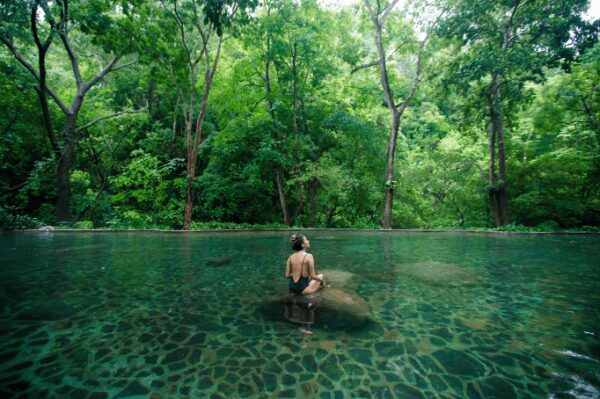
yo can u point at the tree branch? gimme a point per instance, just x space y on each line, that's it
358 68
416 80
370 12
387 11
87 85
31 69
87 125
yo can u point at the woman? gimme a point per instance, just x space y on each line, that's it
300 269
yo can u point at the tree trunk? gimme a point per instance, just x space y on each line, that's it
389 172
64 167
379 19
300 207
282 199
492 174
314 190
498 193
193 150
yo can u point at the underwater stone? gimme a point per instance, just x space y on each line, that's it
197 339
177 354
455 383
310 388
245 390
273 368
288 379
331 368
288 393
176 366
133 389
362 355
205 383
429 364
232 378
258 382
472 392
405 391
270 381
309 363
437 383
410 347
389 349
459 363
496 387
392 377
293 367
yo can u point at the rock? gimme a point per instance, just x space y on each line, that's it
339 278
47 228
437 273
331 308
219 260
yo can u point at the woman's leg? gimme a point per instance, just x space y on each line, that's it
313 286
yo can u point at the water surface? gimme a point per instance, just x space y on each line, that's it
453 315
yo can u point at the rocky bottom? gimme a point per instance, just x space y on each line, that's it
412 330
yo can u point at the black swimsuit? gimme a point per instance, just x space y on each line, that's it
301 284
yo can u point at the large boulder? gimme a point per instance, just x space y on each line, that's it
330 308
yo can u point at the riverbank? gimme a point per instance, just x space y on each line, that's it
51 229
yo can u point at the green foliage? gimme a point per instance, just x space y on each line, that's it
10 221
322 127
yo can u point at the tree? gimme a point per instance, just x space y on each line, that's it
504 44
379 14
188 44
45 13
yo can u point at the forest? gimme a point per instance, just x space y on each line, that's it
199 114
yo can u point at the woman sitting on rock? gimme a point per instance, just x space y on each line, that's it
300 269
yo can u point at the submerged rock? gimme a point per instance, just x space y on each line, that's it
339 278
331 308
219 260
438 273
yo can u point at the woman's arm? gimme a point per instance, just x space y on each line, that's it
311 268
287 268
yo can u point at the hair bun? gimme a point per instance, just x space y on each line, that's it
293 238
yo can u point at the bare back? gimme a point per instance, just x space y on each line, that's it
298 266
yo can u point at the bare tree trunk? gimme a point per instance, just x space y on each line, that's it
492 174
379 18
193 149
300 207
314 190
389 172
281 191
63 170
498 194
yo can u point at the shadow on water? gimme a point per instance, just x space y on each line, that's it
316 312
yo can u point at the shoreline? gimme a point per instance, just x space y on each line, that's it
300 229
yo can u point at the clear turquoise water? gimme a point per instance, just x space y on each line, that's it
453 315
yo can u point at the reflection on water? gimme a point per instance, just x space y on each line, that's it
409 315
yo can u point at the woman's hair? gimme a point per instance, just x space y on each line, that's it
296 241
